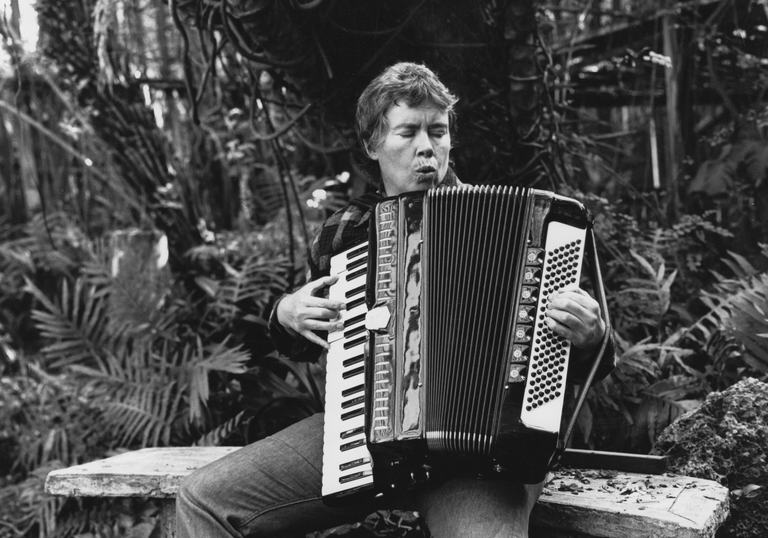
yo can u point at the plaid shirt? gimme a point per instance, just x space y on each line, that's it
341 231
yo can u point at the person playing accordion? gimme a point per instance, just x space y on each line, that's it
272 487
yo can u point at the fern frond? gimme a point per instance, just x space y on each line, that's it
664 401
76 326
739 306
138 393
220 434
251 287
202 361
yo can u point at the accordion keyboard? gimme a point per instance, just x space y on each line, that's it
545 386
346 460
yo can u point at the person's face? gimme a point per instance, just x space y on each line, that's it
413 153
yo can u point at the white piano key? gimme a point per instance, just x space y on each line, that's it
339 290
340 262
346 315
340 353
349 280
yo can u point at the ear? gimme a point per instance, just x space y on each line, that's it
372 153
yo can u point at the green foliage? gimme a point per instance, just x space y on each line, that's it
653 279
737 321
162 369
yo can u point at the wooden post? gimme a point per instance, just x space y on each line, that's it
673 146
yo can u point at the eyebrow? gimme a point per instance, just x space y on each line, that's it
416 125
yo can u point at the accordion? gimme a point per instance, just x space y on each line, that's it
445 359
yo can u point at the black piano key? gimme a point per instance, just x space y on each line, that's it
356 342
351 433
358 273
352 390
357 251
354 463
358 263
356 302
354 360
352 402
351 414
355 292
353 373
355 320
352 444
354 332
354 476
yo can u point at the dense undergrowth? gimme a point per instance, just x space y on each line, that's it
133 308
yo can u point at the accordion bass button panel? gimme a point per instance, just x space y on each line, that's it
544 392
347 463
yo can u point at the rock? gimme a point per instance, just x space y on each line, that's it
726 440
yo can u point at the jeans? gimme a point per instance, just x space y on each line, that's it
271 488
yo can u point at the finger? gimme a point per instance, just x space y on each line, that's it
322 313
578 296
571 313
312 337
582 332
322 303
316 285
560 330
320 325
566 319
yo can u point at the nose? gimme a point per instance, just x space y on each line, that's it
424 145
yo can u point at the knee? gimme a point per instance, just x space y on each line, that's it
197 489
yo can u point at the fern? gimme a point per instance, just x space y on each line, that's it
215 357
220 434
248 290
76 325
663 402
646 299
738 310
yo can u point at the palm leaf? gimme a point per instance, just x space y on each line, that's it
220 434
200 362
138 394
77 325
252 287
739 308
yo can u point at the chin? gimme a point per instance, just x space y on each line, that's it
427 181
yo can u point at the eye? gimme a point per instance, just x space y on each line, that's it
438 132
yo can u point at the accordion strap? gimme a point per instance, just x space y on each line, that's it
597 284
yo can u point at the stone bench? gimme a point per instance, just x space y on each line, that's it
575 502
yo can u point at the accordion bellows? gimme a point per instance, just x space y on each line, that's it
461 369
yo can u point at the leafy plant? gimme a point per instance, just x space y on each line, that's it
736 325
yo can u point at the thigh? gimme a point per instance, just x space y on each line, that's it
273 486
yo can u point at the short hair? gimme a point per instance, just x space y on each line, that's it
410 83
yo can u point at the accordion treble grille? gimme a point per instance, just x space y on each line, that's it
475 240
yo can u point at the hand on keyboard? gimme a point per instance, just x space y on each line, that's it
574 315
304 311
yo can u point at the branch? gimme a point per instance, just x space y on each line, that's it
313 4
284 129
240 45
718 87
188 75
